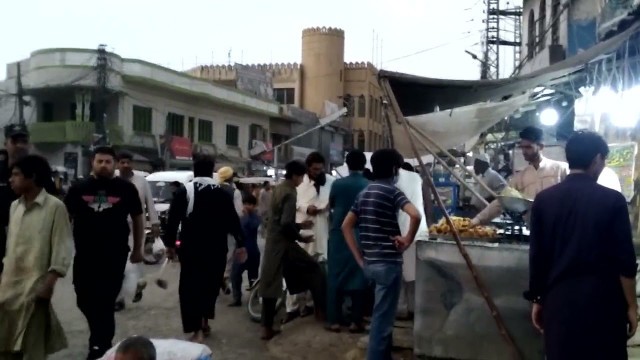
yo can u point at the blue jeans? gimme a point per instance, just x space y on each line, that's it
387 278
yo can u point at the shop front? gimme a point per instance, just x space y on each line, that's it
177 152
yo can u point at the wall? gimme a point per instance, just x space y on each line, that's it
541 58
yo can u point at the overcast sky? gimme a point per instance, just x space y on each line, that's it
422 37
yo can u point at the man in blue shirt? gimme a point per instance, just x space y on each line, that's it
381 244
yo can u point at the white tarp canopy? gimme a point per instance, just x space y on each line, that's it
463 125
343 170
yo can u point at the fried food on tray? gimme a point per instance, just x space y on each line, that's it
463 225
511 192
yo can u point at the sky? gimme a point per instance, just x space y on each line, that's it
421 37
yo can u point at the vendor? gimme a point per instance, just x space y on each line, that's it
540 174
491 178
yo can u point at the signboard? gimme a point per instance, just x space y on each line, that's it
181 148
622 161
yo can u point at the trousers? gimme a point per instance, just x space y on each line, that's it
251 266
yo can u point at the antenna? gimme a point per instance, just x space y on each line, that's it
373 47
381 43
229 58
211 57
242 57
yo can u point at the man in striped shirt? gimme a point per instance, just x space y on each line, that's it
381 244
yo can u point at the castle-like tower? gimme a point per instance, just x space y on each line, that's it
322 67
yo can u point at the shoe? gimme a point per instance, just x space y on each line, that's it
119 306
292 315
139 289
236 303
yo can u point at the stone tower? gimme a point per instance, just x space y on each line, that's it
322 68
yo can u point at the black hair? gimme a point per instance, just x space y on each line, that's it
104 150
314 158
408 167
142 347
266 183
532 134
368 174
125 155
249 199
177 184
37 168
583 147
384 163
294 168
356 160
203 166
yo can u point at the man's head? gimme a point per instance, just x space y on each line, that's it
294 171
174 186
315 165
29 173
266 185
481 163
408 167
16 141
386 163
203 166
225 174
356 160
587 151
103 162
531 143
136 348
249 203
124 164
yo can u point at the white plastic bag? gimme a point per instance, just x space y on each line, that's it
132 274
158 248
172 349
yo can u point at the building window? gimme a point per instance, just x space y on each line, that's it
72 111
205 131
531 35
191 128
175 124
256 132
233 134
349 103
542 23
360 141
142 119
370 107
47 111
362 106
376 106
555 22
285 96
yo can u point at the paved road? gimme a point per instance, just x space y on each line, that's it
234 336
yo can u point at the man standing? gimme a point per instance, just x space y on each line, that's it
16 146
381 245
148 207
582 261
284 257
226 176
313 205
540 174
100 207
491 178
207 215
345 277
38 253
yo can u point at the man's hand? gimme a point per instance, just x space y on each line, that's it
360 262
306 225
536 317
135 257
45 291
402 242
241 255
632 317
312 210
155 230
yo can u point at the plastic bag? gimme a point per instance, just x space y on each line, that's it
158 248
132 274
172 349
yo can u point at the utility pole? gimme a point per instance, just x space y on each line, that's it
102 79
493 37
20 95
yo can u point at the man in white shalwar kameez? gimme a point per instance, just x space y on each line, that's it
312 205
410 184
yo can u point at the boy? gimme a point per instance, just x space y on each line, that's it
376 214
250 222
136 348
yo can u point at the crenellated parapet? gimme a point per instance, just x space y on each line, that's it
323 30
221 72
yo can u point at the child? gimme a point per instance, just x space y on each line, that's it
250 222
136 348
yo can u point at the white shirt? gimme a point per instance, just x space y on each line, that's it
609 178
146 198
494 181
307 196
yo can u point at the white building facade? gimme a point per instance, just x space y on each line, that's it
159 114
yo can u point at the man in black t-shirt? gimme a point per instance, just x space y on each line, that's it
100 207
16 146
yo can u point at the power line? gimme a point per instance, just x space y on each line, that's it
469 34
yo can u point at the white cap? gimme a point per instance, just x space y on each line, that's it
483 157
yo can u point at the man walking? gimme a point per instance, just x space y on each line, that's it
16 141
148 207
226 176
207 216
100 207
381 245
345 277
38 253
582 261
284 257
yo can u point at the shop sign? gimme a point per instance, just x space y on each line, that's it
142 141
181 148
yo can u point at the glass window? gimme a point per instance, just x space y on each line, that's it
233 134
205 131
142 119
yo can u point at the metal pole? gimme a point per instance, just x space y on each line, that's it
275 161
20 94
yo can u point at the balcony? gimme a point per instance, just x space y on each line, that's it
70 131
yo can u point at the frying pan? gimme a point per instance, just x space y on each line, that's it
515 204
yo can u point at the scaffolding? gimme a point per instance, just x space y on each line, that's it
502 28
